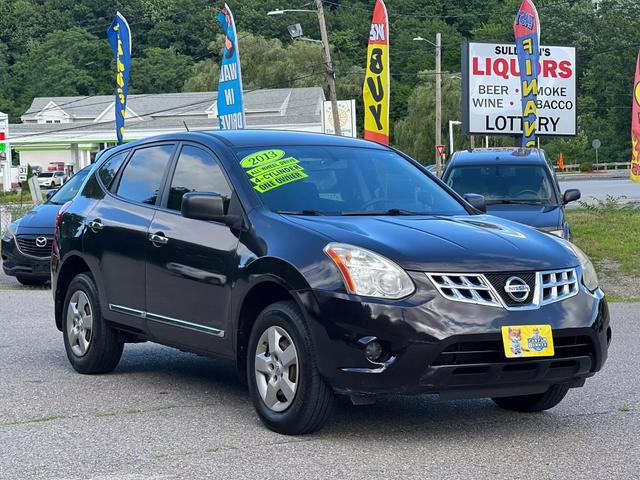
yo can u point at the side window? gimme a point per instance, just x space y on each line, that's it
140 180
109 169
196 171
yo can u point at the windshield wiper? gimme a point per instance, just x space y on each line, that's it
394 212
514 202
305 213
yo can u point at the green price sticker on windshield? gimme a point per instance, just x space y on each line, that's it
268 169
261 158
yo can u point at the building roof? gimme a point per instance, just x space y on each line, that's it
152 114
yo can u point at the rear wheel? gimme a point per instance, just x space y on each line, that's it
534 403
92 345
287 391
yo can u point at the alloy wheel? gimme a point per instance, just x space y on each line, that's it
79 323
276 368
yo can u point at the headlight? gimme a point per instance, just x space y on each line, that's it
368 274
589 275
11 231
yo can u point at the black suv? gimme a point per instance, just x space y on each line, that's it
320 264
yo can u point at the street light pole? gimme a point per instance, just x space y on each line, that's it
438 122
331 78
438 102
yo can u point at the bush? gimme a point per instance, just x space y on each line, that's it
586 167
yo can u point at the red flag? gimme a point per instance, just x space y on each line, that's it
635 127
561 162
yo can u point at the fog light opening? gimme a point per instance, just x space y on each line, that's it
374 351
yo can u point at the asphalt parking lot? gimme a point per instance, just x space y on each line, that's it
168 414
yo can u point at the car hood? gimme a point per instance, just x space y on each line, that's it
41 218
473 244
537 216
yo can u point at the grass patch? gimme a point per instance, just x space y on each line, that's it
49 418
617 299
624 408
609 234
212 450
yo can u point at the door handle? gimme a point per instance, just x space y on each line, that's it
158 239
95 225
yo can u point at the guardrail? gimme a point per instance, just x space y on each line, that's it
575 167
612 166
569 168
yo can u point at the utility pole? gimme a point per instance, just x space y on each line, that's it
438 101
331 78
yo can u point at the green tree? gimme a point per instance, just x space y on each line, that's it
67 63
266 63
160 70
415 134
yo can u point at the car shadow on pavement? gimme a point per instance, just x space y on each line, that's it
215 382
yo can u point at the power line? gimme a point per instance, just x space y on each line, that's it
433 17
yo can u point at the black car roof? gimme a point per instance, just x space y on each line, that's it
255 138
495 156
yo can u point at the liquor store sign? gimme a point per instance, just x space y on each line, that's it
492 97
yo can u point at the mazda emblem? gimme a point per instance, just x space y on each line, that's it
41 242
517 289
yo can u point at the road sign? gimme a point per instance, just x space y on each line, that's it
596 144
440 149
5 151
492 97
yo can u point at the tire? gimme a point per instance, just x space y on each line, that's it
101 349
311 404
534 403
31 282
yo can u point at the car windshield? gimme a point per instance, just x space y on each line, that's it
46 175
526 184
320 180
70 189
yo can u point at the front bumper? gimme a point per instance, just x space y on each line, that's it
17 264
434 345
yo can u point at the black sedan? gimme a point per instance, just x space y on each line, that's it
320 265
26 245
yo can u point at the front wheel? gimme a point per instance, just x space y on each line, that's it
92 345
287 391
534 403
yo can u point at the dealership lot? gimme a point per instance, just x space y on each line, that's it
168 414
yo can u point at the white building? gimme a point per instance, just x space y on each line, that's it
73 129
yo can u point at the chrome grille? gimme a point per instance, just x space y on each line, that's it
558 285
465 288
487 289
28 245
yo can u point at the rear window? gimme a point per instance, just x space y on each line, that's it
141 178
109 169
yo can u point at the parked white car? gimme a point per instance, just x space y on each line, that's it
51 179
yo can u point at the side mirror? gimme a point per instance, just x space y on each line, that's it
572 195
50 193
476 201
203 206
